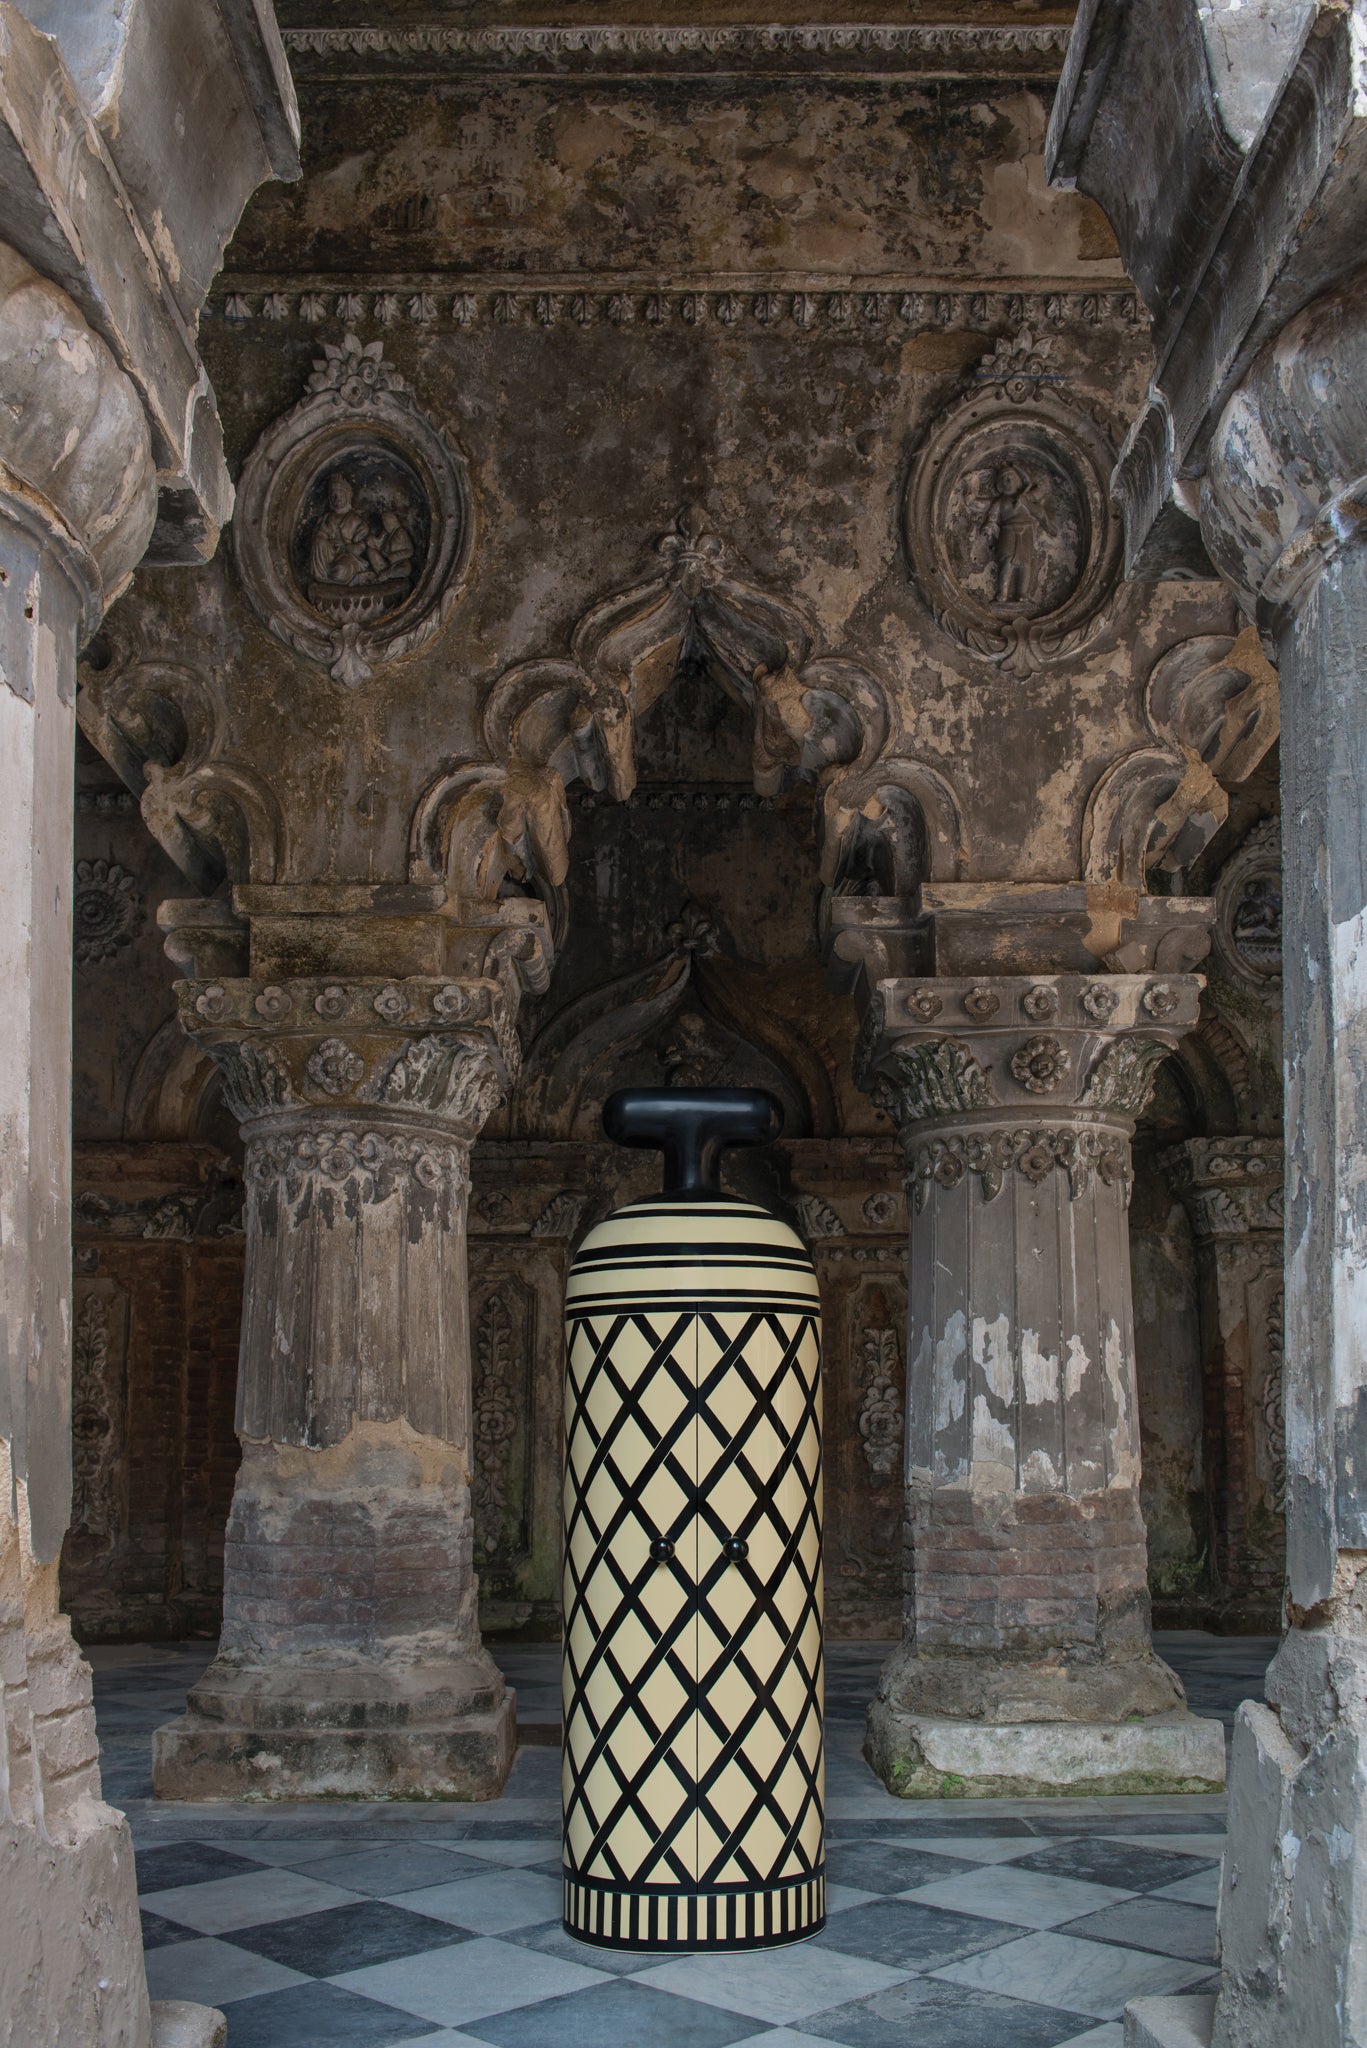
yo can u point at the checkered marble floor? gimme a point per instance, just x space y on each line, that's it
952 1924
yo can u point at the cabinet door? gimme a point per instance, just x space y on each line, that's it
630 1667
760 1791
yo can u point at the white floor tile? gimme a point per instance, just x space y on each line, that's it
774 1984
1077 1976
1025 1898
453 1986
841 1896
1202 1888
213 1972
246 1901
1184 1845
489 1905
982 1848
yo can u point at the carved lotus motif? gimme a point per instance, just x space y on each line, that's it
273 1004
391 1004
212 1004
982 1003
1041 1065
451 1002
1161 999
1040 1003
880 1211
924 1004
106 910
334 1067
331 1003
1099 1001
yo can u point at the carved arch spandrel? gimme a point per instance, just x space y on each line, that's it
500 826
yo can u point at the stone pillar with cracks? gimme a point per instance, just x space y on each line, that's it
1284 513
1027 1663
350 1662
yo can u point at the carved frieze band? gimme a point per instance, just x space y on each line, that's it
1029 50
1231 1186
1084 1154
360 1165
874 308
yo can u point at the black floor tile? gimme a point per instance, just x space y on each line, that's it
161 1870
385 1867
319 2016
620 2015
346 1937
159 1933
945 2015
908 1935
1165 1927
1118 1863
886 1867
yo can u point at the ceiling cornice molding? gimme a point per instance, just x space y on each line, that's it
882 49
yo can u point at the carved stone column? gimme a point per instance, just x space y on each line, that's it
1026 1663
1232 1188
350 1661
1285 517
77 502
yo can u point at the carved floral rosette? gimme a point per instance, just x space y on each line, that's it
1021 1074
1007 520
354 521
357 1164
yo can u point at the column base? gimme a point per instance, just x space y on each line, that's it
1170 2022
359 1732
920 1756
178 2024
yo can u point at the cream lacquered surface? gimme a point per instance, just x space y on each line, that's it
692 1688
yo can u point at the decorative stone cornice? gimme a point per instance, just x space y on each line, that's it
815 49
979 1049
881 310
1231 1186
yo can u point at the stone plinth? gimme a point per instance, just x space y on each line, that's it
350 1661
1026 1663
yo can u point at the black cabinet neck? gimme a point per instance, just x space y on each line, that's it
692 1127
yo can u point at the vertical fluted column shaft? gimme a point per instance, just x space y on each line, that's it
349 1583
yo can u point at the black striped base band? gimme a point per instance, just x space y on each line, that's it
696 1922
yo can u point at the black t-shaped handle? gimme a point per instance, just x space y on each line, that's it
692 1127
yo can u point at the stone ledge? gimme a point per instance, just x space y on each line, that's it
920 1757
1170 2022
178 2024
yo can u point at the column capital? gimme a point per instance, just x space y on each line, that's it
985 1050
420 1049
1232 1187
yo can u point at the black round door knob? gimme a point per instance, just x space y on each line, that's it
735 1548
662 1550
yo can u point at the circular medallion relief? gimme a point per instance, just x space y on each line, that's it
353 519
1248 910
1008 525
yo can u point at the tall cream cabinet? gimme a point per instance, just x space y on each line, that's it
693 1785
